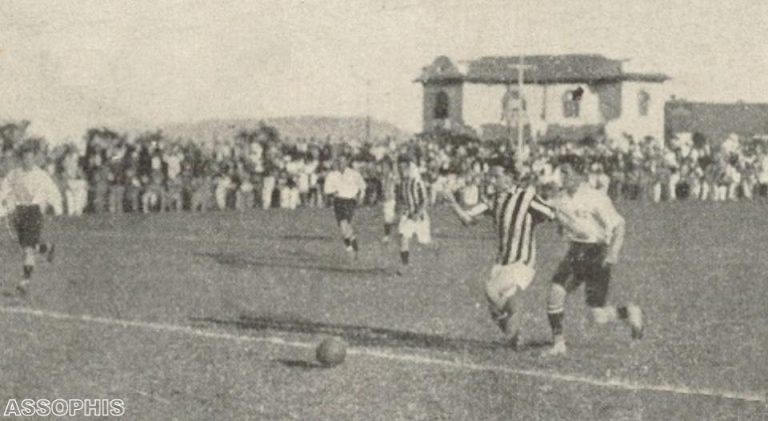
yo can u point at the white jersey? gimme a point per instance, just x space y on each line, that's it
345 184
600 181
592 215
35 187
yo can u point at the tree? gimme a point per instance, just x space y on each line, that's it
102 137
263 134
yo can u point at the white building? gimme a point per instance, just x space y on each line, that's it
565 96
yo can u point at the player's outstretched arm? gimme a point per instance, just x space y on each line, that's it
361 186
466 217
615 243
615 227
566 221
52 194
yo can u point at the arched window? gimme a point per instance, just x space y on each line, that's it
571 104
442 106
643 102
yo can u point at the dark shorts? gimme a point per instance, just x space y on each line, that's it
344 209
28 223
583 264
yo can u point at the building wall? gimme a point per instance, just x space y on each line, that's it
614 104
455 107
631 121
544 103
610 100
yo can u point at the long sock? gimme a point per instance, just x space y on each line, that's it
556 323
404 255
28 271
354 244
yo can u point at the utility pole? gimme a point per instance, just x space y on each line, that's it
520 125
367 110
520 67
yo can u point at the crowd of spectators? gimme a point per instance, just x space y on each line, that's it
259 169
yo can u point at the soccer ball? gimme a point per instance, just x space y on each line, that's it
331 352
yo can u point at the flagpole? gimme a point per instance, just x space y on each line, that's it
520 126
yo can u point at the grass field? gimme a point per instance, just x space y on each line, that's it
215 316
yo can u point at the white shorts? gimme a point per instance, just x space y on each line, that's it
389 211
506 280
421 228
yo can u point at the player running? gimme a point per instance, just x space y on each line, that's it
25 192
595 231
516 211
414 219
347 187
389 182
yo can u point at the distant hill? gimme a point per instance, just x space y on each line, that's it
304 126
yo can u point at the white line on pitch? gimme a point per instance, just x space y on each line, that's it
401 357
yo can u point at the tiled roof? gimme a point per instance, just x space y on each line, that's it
569 68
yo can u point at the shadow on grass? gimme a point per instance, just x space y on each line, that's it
296 262
363 335
307 237
301 364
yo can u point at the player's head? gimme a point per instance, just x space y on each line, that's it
28 154
573 175
500 178
404 165
342 162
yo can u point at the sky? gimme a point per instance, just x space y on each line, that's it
70 65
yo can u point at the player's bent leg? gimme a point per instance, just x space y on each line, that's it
405 253
563 281
350 240
507 318
29 266
508 321
555 315
502 291
423 232
631 314
635 321
29 261
389 219
347 234
405 230
596 290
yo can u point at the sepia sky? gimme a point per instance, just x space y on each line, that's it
68 65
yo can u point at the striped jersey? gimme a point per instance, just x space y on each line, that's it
413 194
389 184
515 213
